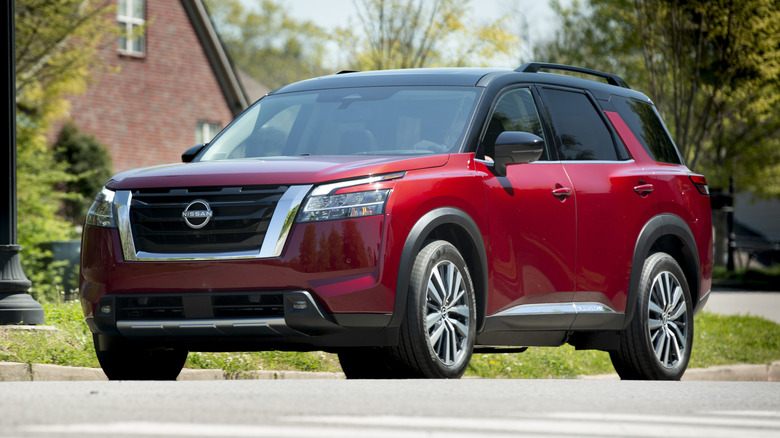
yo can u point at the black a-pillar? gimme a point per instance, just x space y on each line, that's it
16 305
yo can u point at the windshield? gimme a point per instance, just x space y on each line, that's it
350 121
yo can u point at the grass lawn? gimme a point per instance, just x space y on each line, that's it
719 340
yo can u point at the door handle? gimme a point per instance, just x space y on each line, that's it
643 189
561 192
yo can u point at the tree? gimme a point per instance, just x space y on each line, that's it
711 66
88 163
423 33
56 48
267 43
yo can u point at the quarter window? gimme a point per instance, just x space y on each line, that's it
130 16
581 132
644 122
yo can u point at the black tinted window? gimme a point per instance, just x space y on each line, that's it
646 125
581 132
514 111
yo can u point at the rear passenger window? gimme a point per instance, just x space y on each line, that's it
646 125
582 134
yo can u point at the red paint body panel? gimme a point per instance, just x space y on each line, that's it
287 170
610 214
532 236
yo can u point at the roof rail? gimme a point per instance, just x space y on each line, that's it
341 72
534 67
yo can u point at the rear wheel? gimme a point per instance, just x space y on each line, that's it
439 328
657 343
122 360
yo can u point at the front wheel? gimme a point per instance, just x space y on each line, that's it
657 343
123 360
439 329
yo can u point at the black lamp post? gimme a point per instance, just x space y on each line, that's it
16 305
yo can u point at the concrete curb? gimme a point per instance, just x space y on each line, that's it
725 373
22 372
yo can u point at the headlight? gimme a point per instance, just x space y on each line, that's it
101 213
348 205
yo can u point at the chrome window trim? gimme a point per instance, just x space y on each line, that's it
273 242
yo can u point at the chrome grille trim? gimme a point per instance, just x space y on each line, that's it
273 242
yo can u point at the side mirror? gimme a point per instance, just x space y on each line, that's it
192 152
514 147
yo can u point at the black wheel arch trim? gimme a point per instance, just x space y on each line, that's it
654 231
417 237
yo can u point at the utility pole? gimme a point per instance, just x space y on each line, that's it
16 305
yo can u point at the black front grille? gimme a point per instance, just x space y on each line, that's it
240 219
222 306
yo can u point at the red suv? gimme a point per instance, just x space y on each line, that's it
404 219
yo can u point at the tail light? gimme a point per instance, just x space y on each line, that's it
701 184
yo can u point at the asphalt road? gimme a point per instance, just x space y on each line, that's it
411 408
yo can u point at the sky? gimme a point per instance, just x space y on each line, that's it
539 17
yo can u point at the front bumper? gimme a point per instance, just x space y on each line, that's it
255 321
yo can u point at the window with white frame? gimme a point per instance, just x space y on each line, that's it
206 131
130 15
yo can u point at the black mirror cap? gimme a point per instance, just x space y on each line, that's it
514 147
192 152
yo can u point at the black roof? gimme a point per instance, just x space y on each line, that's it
466 77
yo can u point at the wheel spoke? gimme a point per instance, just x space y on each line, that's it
457 290
660 340
676 296
460 327
675 343
667 347
654 324
433 291
462 311
436 335
675 328
453 344
654 308
446 341
432 319
678 312
667 288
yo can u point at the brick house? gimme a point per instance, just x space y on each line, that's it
164 91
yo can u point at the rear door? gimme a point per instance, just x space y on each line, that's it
614 198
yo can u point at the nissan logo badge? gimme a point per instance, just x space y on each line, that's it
197 214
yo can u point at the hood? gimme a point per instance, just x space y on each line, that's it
268 171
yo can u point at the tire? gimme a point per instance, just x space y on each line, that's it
123 360
658 341
439 329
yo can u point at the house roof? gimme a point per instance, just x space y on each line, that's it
218 57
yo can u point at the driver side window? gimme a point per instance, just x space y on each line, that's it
515 110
